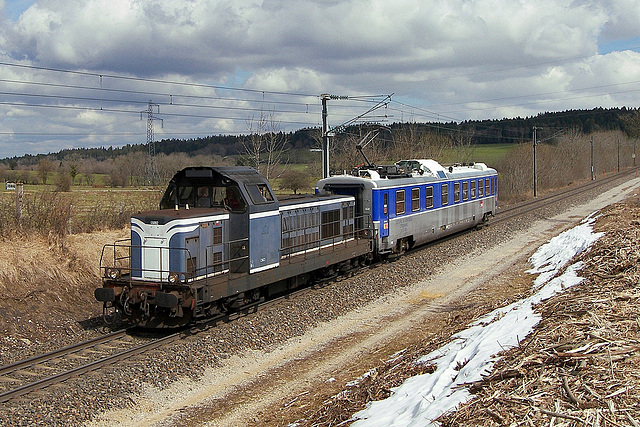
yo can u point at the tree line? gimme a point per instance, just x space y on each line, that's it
273 152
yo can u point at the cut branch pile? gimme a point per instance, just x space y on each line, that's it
581 366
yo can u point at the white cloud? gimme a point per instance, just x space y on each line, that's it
442 52
623 17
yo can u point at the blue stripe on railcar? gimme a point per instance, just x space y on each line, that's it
470 193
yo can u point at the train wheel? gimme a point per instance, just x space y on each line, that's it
403 246
110 313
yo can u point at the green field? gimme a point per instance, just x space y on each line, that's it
491 153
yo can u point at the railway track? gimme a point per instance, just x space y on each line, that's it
41 371
38 372
534 204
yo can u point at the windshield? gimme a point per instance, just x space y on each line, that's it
203 196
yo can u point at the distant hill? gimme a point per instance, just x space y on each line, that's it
504 131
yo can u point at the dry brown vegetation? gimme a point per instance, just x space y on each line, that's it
562 163
47 284
49 257
55 215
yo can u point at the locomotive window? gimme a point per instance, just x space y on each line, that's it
456 192
429 196
216 262
480 189
330 223
465 190
169 200
233 199
217 236
204 197
185 195
415 199
259 193
445 194
487 187
473 189
399 202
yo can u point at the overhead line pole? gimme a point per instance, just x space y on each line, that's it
151 169
325 137
593 175
535 162
325 132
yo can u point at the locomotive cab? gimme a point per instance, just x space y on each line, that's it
246 195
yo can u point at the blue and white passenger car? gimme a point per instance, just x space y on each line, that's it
417 201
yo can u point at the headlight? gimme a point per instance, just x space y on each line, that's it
173 277
112 273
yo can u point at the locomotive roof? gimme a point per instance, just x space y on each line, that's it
240 174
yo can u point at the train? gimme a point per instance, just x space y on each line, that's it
221 239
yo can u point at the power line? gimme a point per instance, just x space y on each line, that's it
126 111
148 80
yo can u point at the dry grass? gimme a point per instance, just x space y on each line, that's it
55 215
47 283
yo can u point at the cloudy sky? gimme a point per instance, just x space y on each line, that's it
81 73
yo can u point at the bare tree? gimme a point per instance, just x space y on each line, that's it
265 147
516 177
44 168
294 180
344 155
409 142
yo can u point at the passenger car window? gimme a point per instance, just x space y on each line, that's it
445 194
429 196
415 199
400 202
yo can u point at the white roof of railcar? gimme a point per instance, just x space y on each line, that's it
423 171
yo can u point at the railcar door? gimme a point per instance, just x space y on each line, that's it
192 245
384 217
